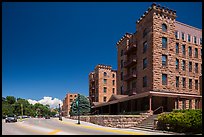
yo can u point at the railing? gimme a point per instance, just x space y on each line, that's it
130 61
130 76
161 107
130 47
95 112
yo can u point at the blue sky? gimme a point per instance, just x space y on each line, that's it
48 49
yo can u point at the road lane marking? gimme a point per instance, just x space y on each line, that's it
30 128
42 130
104 129
54 132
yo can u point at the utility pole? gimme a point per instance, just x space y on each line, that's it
21 112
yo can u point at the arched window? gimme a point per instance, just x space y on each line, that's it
164 27
104 74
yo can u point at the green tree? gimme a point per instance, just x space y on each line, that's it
11 99
84 106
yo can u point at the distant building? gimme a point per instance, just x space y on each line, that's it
69 98
102 83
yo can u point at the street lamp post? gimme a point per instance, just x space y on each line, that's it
78 108
60 118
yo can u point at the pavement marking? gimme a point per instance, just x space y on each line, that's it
54 132
104 129
30 128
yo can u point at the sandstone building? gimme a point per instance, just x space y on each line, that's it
69 98
159 66
102 83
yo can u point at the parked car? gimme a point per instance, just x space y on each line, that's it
11 118
47 117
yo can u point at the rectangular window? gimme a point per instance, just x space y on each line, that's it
177 64
182 36
200 41
164 42
184 82
104 99
196 84
104 89
164 60
113 90
164 79
121 63
71 100
121 75
176 35
196 67
177 81
190 66
113 82
121 90
121 53
196 53
189 38
195 40
145 81
190 51
190 104
177 48
190 83
184 49
105 81
144 63
183 65
145 47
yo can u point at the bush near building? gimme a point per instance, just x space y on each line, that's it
185 121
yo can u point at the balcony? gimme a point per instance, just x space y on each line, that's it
132 91
92 80
130 76
130 61
130 48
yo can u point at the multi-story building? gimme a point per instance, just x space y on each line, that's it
102 83
160 64
69 98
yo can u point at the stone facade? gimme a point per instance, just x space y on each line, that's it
157 29
116 121
67 103
102 83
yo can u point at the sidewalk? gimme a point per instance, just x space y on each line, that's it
116 130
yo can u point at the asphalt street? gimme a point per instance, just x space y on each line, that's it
53 126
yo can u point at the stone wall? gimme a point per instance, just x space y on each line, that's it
117 121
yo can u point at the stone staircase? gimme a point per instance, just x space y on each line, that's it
147 123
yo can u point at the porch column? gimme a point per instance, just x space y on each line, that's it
150 103
118 107
109 109
131 105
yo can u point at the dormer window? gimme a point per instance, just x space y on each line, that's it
164 27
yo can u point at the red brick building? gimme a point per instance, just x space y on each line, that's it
102 83
69 98
159 66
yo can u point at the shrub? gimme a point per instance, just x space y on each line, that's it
181 121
